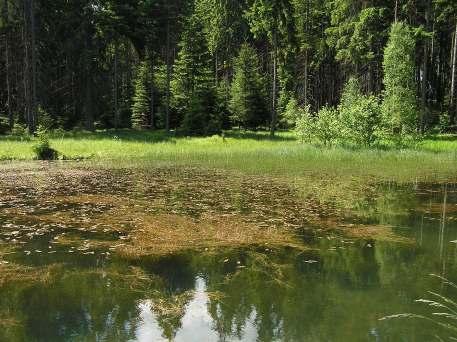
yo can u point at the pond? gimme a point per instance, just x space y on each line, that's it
192 255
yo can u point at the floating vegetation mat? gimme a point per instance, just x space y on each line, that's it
59 208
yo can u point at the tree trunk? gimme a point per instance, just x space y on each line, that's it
34 67
306 78
396 10
8 85
453 76
116 101
151 95
30 65
273 107
7 65
216 66
167 107
425 76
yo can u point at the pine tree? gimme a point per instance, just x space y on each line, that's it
248 103
140 106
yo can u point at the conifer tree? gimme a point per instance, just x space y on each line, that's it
193 87
248 102
140 106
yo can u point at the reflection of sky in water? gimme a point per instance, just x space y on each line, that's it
197 324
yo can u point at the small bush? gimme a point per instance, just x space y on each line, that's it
42 149
328 128
19 130
360 115
305 124
361 120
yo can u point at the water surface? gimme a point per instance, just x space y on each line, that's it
64 279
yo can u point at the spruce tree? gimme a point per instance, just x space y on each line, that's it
140 106
248 103
193 87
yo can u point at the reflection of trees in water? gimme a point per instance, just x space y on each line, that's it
277 292
74 305
169 301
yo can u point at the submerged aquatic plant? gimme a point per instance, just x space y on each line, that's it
443 315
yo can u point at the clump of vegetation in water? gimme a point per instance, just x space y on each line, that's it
42 149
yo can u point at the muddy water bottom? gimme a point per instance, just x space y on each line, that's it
195 255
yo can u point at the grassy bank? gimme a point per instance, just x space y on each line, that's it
433 159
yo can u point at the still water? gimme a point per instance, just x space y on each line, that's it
64 281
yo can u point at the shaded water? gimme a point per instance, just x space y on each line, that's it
64 278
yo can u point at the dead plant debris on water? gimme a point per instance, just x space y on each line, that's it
160 211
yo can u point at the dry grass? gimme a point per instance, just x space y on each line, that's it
375 232
149 220
163 234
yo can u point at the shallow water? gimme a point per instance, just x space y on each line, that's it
61 228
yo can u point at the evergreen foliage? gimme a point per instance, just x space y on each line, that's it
140 105
193 84
248 94
143 63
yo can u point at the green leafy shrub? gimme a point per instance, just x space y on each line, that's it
303 120
42 149
399 106
292 112
360 115
327 128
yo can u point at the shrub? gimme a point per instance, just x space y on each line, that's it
305 124
20 130
327 128
42 149
292 112
360 115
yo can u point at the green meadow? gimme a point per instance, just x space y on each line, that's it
433 159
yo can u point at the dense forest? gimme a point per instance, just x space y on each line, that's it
201 66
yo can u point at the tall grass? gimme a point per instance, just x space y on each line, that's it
443 312
247 152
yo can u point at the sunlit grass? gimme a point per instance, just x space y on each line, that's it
432 159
